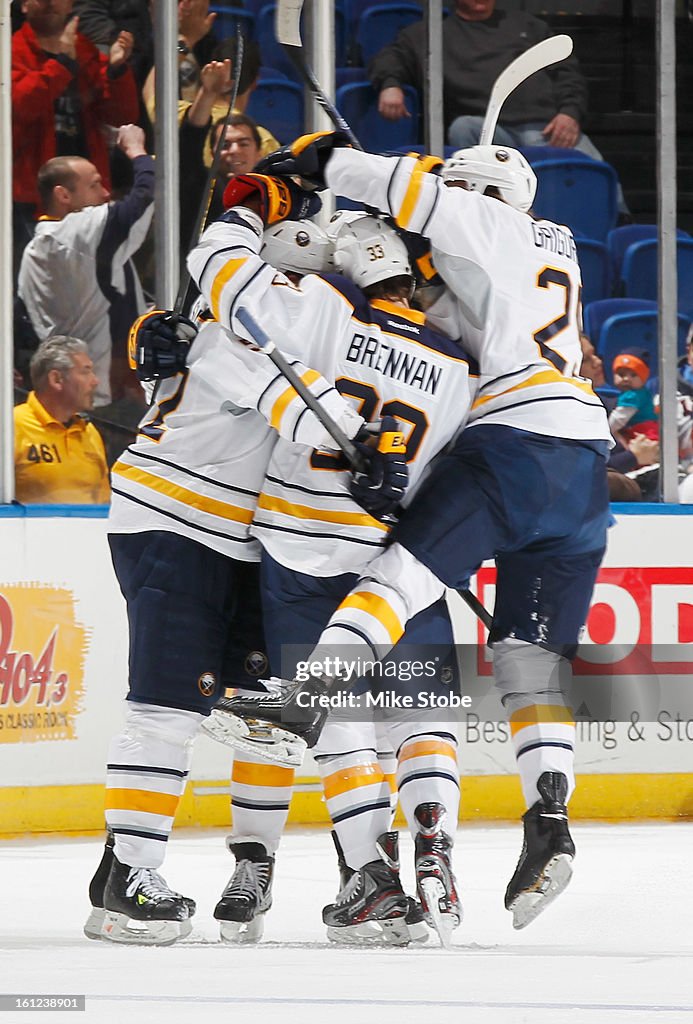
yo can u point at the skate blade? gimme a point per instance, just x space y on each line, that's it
237 933
394 932
126 931
555 877
418 933
255 737
432 892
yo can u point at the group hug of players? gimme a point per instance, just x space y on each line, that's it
245 544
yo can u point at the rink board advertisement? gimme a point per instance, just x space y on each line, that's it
63 676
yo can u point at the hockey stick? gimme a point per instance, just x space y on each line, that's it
260 337
543 55
210 185
287 29
211 182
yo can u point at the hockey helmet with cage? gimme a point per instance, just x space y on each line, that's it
298 247
368 251
481 167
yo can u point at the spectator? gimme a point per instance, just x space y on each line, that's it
103 20
634 412
639 452
685 368
63 94
76 277
242 148
196 43
479 41
58 455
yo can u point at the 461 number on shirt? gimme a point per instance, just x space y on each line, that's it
43 453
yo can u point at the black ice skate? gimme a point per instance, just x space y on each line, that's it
544 868
372 896
370 931
94 923
435 880
278 725
141 909
248 896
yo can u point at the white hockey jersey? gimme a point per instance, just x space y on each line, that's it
381 356
197 465
514 293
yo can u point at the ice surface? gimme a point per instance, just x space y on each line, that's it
616 947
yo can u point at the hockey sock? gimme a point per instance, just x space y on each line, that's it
260 798
427 770
544 739
148 765
358 801
387 759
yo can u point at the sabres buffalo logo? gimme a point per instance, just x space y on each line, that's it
256 663
207 684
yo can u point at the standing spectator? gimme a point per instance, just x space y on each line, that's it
58 455
479 42
76 275
63 93
103 20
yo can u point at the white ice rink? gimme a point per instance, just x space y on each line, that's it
616 947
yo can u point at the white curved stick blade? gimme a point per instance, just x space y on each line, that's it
287 22
543 55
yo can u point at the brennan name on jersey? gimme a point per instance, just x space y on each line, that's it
401 366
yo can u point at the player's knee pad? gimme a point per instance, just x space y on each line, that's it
417 725
525 673
415 585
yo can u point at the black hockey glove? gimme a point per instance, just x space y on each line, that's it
158 344
305 157
278 198
381 487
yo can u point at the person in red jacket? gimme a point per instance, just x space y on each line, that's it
63 93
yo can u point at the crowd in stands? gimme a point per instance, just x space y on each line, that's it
83 188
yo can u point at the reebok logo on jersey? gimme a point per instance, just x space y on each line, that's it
403 327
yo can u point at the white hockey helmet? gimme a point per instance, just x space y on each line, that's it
503 168
368 251
298 246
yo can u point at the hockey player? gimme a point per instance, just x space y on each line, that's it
183 499
360 331
525 483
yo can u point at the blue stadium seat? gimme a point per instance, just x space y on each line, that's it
579 193
635 329
621 238
537 154
344 76
379 25
639 271
596 313
277 104
594 266
273 53
227 17
358 104
266 72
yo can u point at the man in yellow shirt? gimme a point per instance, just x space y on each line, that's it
58 455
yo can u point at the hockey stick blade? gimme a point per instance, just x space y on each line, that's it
287 29
543 55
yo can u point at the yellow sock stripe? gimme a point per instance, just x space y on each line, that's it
378 608
539 714
141 800
182 494
248 774
222 278
411 197
287 397
274 504
423 748
391 780
347 779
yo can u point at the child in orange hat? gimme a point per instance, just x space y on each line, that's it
635 411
